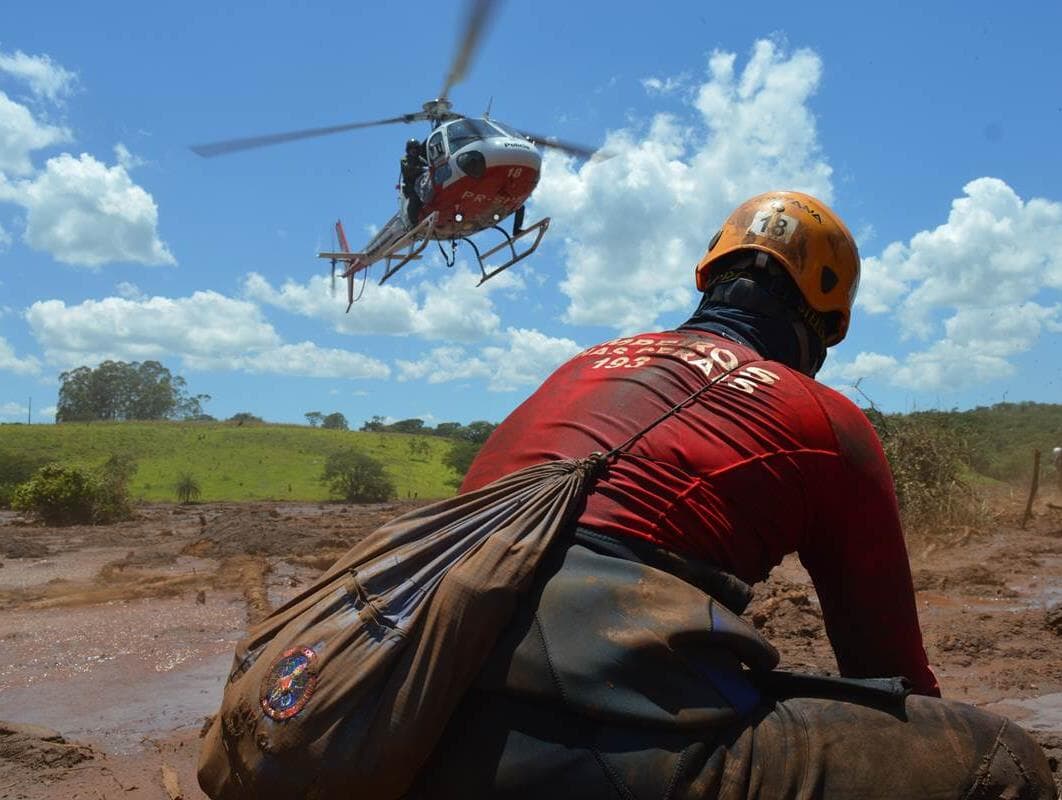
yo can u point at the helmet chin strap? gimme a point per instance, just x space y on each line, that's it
743 291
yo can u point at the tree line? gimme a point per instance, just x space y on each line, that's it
475 432
117 390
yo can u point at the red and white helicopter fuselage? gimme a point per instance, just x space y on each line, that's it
477 173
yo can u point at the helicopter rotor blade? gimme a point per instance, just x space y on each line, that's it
479 13
235 145
571 148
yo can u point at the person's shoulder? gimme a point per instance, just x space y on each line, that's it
834 403
857 440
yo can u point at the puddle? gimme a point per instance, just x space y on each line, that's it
117 710
931 601
1042 713
118 672
1043 590
82 565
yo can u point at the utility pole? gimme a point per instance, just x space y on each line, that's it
29 413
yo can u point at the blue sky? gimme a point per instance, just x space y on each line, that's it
932 131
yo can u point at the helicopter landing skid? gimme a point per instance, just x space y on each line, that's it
416 239
539 229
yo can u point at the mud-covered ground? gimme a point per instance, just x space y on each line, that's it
114 640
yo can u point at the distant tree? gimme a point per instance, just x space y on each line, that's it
357 478
478 431
117 390
449 429
315 418
375 424
460 458
335 422
244 418
419 447
407 426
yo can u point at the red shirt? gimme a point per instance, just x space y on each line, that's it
766 462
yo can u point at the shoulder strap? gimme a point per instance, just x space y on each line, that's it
604 458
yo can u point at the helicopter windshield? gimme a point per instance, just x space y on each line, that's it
465 131
507 130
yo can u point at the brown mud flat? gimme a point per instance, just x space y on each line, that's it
116 639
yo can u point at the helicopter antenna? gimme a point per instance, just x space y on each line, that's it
486 114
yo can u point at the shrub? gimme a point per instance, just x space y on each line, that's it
187 488
927 462
357 478
245 418
69 495
15 468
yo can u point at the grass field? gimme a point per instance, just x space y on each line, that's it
248 462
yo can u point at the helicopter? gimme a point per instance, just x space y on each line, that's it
472 174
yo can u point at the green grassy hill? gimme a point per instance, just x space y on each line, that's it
999 440
248 462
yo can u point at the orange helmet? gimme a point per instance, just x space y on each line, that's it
808 239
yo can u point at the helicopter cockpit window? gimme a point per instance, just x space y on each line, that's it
465 131
436 150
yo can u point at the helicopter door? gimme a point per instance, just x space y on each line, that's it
437 158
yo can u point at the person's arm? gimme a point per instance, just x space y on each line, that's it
858 562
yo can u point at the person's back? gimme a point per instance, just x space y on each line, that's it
627 672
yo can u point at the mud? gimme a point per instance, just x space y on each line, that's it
116 639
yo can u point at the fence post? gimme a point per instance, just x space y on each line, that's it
1032 489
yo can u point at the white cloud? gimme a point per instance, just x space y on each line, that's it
45 78
635 224
18 412
9 410
200 326
864 365
449 308
78 209
130 291
668 85
309 360
527 357
444 365
207 331
20 135
981 287
87 214
9 362
5 239
126 159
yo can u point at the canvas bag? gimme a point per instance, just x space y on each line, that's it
346 689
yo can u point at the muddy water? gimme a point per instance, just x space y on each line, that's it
1043 713
118 672
22 573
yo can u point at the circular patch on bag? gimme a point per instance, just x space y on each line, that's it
290 682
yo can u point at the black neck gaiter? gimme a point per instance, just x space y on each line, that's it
772 337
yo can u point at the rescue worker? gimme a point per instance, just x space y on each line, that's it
413 165
627 671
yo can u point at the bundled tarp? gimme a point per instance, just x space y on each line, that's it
345 690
